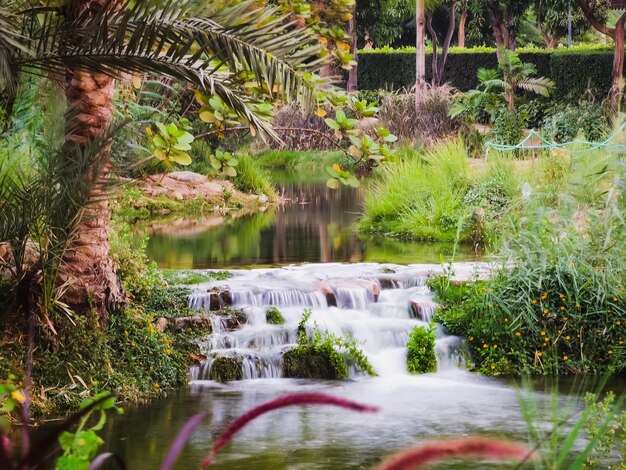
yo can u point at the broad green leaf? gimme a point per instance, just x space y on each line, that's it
181 158
332 124
230 171
333 183
207 116
160 142
215 163
160 154
186 138
182 147
162 129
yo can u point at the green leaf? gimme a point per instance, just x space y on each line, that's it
332 172
207 116
332 124
181 158
186 138
162 129
333 183
160 142
215 163
230 171
233 162
182 147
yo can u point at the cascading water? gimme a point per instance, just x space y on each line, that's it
376 308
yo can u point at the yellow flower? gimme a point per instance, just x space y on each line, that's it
490 290
565 318
567 338
471 338
495 346
493 367
610 352
562 308
506 320
544 296
534 302
545 311
614 299
157 386
543 333
565 358
517 333
485 346
18 396
539 354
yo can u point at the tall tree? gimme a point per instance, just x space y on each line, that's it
593 12
463 22
502 17
439 61
97 41
553 17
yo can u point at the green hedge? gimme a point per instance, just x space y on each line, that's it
574 71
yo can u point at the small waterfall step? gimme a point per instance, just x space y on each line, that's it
375 306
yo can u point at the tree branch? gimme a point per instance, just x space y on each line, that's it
589 10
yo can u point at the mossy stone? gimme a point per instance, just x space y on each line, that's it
226 369
308 365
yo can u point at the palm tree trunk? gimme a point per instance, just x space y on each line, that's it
88 267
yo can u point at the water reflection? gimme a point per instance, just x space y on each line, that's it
315 225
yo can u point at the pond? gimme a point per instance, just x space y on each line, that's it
282 257
315 225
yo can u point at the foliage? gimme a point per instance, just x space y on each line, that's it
508 127
224 164
171 144
295 161
190 277
421 350
560 305
274 317
81 446
606 426
11 398
341 352
585 120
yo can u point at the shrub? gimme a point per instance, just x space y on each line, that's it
431 123
508 127
324 355
421 357
560 305
291 116
274 317
586 119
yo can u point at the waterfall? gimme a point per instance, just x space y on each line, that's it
376 309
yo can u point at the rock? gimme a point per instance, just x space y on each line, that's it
226 369
162 324
177 195
188 177
308 365
190 323
226 297
263 199
328 292
423 309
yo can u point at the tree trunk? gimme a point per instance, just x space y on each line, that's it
420 56
88 267
352 74
618 63
435 56
462 23
447 41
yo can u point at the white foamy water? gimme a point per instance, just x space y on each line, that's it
377 305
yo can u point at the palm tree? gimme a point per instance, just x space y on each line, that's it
513 75
90 43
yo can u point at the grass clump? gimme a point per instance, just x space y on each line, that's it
421 357
274 317
191 277
252 178
324 355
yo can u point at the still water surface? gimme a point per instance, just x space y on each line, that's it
316 225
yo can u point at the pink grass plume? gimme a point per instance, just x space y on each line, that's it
299 399
468 448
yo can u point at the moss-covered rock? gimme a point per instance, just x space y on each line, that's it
274 317
226 369
303 364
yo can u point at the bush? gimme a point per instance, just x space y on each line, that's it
560 305
586 119
292 116
573 71
421 357
274 317
323 355
431 123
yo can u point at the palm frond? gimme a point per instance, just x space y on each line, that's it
211 51
541 86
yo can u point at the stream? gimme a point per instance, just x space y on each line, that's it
373 289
